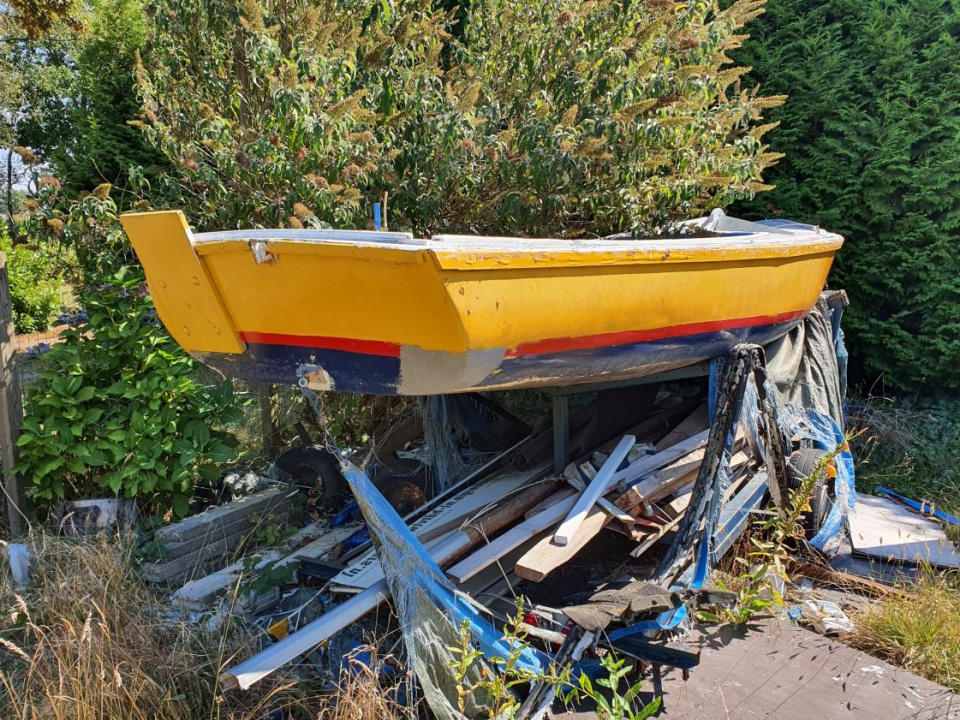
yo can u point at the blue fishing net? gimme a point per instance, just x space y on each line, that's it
432 612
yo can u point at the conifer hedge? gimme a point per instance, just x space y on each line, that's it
871 137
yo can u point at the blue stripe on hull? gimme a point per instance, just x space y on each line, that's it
380 375
282 365
626 361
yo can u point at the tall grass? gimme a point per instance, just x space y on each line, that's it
919 632
912 447
88 641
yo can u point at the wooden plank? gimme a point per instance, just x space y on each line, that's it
595 490
196 594
549 502
678 506
281 514
308 637
826 575
547 556
203 558
202 523
652 463
667 480
575 482
695 423
244 675
452 512
496 571
885 529
513 538
11 411
663 482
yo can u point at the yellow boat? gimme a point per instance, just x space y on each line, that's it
387 313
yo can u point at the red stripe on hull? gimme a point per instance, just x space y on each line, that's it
586 342
366 347
539 347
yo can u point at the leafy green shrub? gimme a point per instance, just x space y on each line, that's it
34 277
549 116
871 133
117 411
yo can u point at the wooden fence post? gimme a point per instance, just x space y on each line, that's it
11 410
270 432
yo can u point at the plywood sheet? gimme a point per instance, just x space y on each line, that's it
881 528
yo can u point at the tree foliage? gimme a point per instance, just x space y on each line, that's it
550 116
67 95
37 18
101 145
871 134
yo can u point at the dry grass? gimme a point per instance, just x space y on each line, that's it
88 641
362 695
919 632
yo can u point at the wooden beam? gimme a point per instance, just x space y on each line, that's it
11 412
269 430
207 523
513 538
678 505
668 479
546 556
305 639
259 666
652 463
695 423
196 594
663 482
595 490
826 575
611 509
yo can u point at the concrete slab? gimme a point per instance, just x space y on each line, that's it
776 670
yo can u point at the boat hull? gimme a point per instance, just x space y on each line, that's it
461 314
383 374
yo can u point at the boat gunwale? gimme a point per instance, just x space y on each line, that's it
506 252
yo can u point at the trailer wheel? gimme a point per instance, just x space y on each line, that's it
799 467
317 469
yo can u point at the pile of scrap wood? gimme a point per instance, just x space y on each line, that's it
205 542
500 531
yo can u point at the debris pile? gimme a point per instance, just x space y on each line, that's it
607 523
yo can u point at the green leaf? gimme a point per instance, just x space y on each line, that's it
75 465
115 482
181 505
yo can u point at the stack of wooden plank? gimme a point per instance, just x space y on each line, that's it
204 542
315 541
